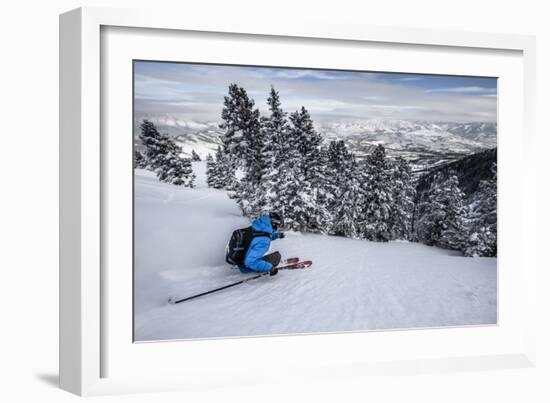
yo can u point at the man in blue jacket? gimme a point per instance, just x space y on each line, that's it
255 258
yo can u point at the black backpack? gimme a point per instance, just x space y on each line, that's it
239 243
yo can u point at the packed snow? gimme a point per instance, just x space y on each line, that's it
353 285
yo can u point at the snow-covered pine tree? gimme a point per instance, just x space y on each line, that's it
481 243
441 215
250 192
404 193
311 210
377 196
241 125
217 174
275 153
346 215
156 144
246 192
260 178
340 164
283 186
163 156
321 219
276 130
307 140
306 213
321 181
287 192
195 156
482 239
175 169
211 172
339 169
186 176
454 231
242 144
227 173
429 214
139 160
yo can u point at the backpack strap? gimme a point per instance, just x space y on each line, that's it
259 233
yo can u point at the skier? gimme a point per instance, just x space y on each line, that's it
255 258
246 250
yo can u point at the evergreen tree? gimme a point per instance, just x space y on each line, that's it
212 178
323 218
303 144
286 192
482 239
441 214
321 180
377 197
404 193
195 156
276 152
242 148
156 144
347 212
452 236
340 166
139 160
276 131
163 157
307 142
174 169
338 169
217 174
241 125
481 243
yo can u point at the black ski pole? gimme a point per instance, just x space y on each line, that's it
217 289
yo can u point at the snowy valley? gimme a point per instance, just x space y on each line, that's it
424 144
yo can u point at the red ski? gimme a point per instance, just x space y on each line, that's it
299 265
291 260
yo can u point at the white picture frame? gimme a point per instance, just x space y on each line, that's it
85 344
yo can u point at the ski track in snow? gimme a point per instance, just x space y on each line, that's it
353 285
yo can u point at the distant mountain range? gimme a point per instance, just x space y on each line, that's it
422 143
425 144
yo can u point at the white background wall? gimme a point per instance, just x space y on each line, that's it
29 211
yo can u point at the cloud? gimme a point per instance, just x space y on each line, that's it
462 90
195 92
412 78
297 74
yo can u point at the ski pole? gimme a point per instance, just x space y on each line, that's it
302 265
217 289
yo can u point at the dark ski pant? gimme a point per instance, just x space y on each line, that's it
273 258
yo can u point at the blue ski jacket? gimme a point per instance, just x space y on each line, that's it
253 260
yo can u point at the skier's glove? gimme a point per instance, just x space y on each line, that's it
273 271
281 235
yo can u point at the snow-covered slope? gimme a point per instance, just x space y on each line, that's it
203 143
353 285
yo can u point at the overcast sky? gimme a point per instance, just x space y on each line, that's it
194 92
